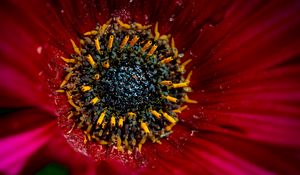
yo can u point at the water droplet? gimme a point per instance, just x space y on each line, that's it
39 49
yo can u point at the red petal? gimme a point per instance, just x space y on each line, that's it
15 150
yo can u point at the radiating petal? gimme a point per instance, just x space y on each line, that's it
16 150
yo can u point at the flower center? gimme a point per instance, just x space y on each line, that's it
125 85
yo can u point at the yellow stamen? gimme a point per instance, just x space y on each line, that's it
157 34
173 43
101 118
166 60
187 100
164 37
169 118
71 101
104 27
182 66
180 85
60 91
152 50
85 88
119 142
123 25
175 50
133 41
124 42
148 44
169 127
66 79
75 48
188 78
166 83
97 76
145 127
68 60
97 44
105 64
180 109
141 143
171 99
94 100
112 120
120 123
92 32
155 113
110 41
131 114
141 27
70 115
102 142
91 61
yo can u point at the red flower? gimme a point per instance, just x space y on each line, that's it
246 78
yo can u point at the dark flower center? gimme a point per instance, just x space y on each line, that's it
125 85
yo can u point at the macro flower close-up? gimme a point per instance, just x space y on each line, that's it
149 87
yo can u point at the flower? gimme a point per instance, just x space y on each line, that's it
246 80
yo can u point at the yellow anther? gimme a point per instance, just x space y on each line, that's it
82 42
133 41
110 41
104 27
180 85
85 140
85 88
182 66
94 100
91 61
173 43
119 144
113 120
124 42
73 104
120 123
97 44
166 83
68 60
164 37
146 46
187 100
166 60
70 115
103 142
157 34
169 118
60 91
132 114
171 99
175 50
96 76
92 32
188 78
105 64
75 48
123 25
152 50
141 27
145 127
155 113
141 143
101 118
169 127
180 109
66 79
88 130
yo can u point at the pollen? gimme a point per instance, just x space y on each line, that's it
125 85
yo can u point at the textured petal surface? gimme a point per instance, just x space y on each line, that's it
246 79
